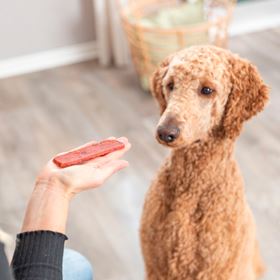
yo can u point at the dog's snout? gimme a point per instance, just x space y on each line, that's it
168 133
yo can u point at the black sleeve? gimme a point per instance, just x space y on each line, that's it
38 255
5 273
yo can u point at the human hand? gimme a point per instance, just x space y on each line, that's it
77 178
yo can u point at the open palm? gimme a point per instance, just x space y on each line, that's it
90 174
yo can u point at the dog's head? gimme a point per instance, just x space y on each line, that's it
205 91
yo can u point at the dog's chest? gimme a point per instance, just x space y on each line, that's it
179 235
181 216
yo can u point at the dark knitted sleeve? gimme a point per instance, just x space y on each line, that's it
38 256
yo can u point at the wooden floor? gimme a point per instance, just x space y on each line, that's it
47 112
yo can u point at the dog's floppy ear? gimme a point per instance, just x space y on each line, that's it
248 96
156 83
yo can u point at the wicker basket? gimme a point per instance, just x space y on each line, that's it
149 44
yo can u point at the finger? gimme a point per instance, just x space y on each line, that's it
123 139
101 174
112 167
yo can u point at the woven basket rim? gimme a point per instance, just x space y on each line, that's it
179 29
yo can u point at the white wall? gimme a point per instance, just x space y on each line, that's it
31 26
41 34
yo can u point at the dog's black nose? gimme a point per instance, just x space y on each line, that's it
168 133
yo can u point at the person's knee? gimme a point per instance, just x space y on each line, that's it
76 266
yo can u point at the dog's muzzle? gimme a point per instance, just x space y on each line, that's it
168 133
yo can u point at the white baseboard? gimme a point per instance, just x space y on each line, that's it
47 59
253 16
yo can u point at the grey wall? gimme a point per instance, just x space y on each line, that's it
28 26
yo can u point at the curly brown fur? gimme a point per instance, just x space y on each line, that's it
196 223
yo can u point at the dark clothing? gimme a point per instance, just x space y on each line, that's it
38 256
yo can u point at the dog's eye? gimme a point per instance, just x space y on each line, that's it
206 91
170 86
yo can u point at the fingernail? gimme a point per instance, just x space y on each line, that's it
123 139
125 165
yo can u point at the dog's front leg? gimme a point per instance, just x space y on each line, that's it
152 233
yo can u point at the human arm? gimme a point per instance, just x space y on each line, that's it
47 211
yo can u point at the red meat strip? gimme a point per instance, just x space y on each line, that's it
87 153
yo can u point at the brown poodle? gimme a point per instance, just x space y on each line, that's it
196 222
